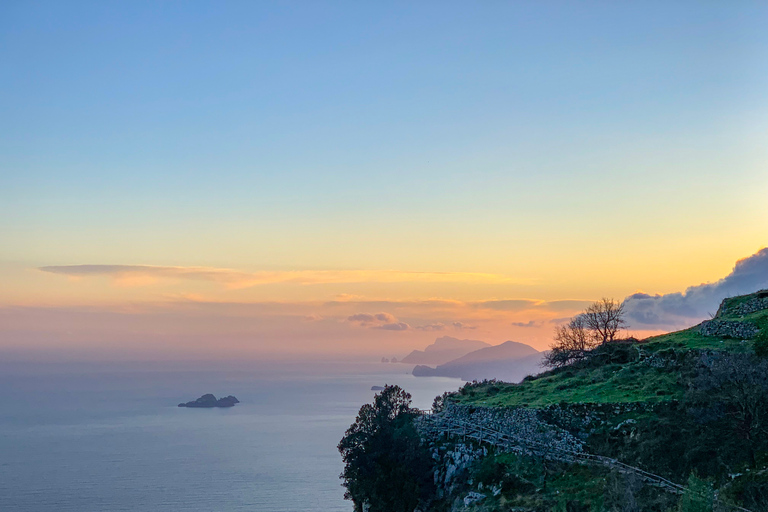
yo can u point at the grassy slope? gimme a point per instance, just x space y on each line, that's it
631 381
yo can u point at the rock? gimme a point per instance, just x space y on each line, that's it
472 498
208 400
729 329
227 401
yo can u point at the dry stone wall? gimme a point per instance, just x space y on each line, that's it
728 329
756 303
527 425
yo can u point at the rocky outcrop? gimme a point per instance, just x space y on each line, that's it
729 329
729 322
731 307
209 400
454 462
529 426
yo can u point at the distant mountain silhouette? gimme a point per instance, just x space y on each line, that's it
443 350
511 362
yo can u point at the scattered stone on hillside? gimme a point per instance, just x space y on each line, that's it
528 425
735 307
757 303
472 498
729 329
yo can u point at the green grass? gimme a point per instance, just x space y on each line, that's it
529 489
732 302
612 383
604 380
691 339
759 318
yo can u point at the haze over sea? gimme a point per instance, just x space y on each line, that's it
96 437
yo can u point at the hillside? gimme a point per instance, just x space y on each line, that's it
443 350
636 372
687 406
677 422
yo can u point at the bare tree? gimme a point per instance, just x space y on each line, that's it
600 323
572 342
605 318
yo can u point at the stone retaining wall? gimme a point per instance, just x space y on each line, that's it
528 425
729 329
757 303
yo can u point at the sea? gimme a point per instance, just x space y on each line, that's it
101 437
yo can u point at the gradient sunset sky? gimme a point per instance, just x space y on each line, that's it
265 178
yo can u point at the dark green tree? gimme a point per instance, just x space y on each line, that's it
386 466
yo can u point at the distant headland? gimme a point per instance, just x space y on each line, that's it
210 401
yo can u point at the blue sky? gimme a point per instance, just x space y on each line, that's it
222 110
587 147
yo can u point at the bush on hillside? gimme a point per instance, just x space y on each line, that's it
761 344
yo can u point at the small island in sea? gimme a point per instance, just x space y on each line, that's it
377 388
210 400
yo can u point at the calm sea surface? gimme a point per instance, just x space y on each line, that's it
94 438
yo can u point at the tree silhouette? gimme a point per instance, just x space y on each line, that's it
386 467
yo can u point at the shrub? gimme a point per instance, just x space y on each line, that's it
698 497
761 343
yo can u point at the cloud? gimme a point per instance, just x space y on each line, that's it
431 327
508 305
518 305
147 274
439 326
368 318
363 318
460 326
680 309
530 323
312 318
383 321
394 326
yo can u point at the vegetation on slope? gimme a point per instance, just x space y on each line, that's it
686 406
652 370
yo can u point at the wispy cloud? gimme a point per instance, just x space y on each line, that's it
439 326
146 274
394 326
368 318
516 305
382 321
529 323
431 327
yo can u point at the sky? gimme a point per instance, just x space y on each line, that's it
245 179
